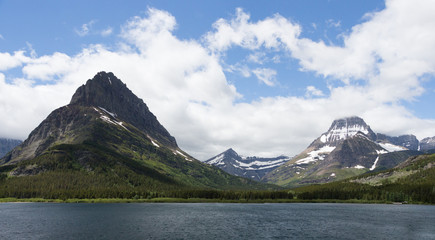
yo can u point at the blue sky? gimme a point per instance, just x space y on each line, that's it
262 77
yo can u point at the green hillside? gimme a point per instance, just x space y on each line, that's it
412 181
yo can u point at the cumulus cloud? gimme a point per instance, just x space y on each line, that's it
271 33
8 61
184 83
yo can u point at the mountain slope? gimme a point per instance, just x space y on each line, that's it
412 181
7 145
108 136
347 149
427 144
248 167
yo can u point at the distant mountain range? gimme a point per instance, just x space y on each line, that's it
249 167
7 145
348 148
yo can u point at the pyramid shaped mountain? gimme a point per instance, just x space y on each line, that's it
347 149
108 93
106 141
105 98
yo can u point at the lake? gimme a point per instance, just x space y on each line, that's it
215 221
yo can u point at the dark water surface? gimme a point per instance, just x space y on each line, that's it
215 221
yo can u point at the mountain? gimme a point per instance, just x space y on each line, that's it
427 144
7 145
106 142
249 167
348 148
410 181
407 141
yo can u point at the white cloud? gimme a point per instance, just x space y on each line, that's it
333 23
8 61
241 68
266 75
85 28
1 37
257 57
184 85
313 91
106 32
31 50
271 33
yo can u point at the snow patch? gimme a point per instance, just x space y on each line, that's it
374 164
111 114
343 133
323 138
262 163
359 167
381 151
391 147
218 160
316 155
155 144
107 119
332 175
185 157
265 167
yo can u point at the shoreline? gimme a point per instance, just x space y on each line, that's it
195 200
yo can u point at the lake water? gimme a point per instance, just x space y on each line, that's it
215 221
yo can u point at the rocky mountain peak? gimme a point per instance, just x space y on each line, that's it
230 152
106 91
103 89
344 128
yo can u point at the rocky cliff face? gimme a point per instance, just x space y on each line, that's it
248 167
107 92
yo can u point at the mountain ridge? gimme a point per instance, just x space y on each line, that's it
248 167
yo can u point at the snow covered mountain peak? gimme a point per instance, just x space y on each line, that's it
344 128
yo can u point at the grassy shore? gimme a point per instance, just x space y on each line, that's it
189 200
